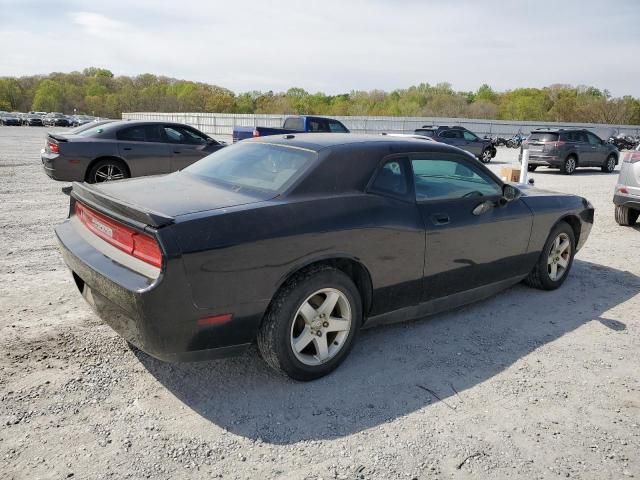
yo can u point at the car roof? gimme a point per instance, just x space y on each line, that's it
320 141
130 123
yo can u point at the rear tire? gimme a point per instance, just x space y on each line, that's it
107 170
296 316
569 165
486 155
626 216
555 260
609 165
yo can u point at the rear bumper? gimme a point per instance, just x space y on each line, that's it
59 168
156 315
630 201
543 160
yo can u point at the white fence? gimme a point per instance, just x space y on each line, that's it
221 124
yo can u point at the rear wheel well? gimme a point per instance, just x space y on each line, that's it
99 159
357 272
575 156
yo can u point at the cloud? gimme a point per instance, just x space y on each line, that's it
98 25
331 45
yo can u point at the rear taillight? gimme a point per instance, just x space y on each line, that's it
137 244
632 157
256 133
54 147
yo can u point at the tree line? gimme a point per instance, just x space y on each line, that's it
96 91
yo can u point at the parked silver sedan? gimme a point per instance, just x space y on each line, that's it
627 194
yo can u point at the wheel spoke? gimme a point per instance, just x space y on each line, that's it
304 339
554 271
564 246
100 174
117 176
556 243
308 312
329 303
322 349
338 325
563 262
110 170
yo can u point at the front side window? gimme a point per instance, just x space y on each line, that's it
254 165
469 136
391 179
593 140
450 179
337 127
177 134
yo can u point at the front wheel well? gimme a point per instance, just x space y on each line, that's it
574 223
106 157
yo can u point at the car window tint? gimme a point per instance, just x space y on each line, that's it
451 134
391 178
336 127
294 123
254 165
132 134
469 136
153 133
442 179
176 134
593 140
318 125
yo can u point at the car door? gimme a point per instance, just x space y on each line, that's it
187 145
472 143
144 149
467 250
452 137
597 151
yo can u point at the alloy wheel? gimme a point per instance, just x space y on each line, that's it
107 173
570 165
321 326
611 164
486 156
559 257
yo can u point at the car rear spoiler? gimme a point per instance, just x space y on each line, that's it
57 136
118 209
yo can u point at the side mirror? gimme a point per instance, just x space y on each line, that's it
509 193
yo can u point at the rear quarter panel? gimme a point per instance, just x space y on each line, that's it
244 256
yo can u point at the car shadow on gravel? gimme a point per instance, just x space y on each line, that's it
580 172
395 370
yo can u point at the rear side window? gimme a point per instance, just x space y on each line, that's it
259 166
451 134
140 133
543 137
391 179
425 133
294 123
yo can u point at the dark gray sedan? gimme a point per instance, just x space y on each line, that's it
123 149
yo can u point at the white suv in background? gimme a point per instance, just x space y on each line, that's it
627 194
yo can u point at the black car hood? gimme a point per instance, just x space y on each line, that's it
177 194
530 191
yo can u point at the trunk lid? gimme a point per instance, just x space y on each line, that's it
157 201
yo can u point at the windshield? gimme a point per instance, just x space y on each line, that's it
255 165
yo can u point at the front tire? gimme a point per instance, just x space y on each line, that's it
311 324
486 155
626 216
609 165
556 259
532 168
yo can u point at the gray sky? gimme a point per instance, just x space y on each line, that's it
333 46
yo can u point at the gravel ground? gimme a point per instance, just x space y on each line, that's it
528 384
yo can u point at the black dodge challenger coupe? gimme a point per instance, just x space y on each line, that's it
295 242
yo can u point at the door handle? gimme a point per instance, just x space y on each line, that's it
440 218
127 148
177 151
